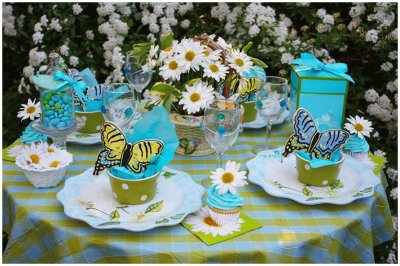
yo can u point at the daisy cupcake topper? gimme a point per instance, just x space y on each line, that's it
228 179
359 126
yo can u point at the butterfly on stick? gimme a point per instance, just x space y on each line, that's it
307 138
118 152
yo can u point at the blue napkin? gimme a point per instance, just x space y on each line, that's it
89 77
155 125
316 163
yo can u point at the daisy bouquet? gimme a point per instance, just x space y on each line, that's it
193 71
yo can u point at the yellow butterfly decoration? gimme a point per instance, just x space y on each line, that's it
118 152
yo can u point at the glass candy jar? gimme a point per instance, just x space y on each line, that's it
57 103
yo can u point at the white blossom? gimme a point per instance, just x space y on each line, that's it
387 66
328 19
392 86
44 20
37 37
28 71
321 28
36 58
89 35
321 13
392 173
105 9
55 24
371 96
185 23
76 9
253 30
393 193
286 58
393 55
8 21
73 61
372 36
64 49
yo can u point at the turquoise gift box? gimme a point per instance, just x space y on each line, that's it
321 89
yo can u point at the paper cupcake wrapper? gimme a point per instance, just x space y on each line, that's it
222 218
360 156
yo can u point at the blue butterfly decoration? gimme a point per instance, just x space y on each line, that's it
307 138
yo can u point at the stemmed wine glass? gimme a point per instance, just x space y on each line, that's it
271 101
135 75
119 104
221 124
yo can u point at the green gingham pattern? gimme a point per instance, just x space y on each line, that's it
39 231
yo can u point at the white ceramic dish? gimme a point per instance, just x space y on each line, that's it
84 138
89 198
259 122
278 177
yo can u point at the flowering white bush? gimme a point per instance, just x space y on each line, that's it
363 35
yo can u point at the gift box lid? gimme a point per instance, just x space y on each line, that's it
305 72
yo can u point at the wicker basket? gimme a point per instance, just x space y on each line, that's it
191 139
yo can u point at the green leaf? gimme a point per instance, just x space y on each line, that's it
358 194
238 46
162 88
247 47
156 207
177 216
140 51
167 103
109 223
338 184
258 62
192 81
307 192
313 198
367 190
162 221
166 40
114 215
168 174
122 207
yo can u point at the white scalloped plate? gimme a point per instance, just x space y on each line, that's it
89 198
278 177
259 122
84 138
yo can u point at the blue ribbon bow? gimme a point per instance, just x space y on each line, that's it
78 86
338 69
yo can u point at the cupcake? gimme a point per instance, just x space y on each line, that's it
30 136
223 200
357 146
224 208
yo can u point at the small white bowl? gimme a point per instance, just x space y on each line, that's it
44 178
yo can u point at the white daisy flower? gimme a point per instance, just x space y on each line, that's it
224 45
359 126
15 151
201 221
171 69
53 160
211 55
196 97
153 98
153 50
30 157
190 55
44 147
239 61
150 65
215 70
167 52
229 178
30 110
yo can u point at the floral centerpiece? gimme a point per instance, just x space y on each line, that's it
190 73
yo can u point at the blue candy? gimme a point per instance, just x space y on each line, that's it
55 120
65 119
221 130
55 98
51 103
49 112
61 125
66 113
66 99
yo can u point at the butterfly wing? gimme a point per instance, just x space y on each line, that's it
115 144
304 130
329 141
141 153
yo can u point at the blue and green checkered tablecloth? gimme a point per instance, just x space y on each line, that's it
39 231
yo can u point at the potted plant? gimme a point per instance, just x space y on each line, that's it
189 74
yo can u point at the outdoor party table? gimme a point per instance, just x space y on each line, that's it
39 231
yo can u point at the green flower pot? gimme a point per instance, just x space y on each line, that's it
94 121
318 177
133 191
250 112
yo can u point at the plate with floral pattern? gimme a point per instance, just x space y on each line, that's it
84 138
278 177
89 198
259 122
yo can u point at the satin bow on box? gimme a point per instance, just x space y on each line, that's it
338 69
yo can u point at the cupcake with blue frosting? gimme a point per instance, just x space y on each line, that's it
357 146
30 136
223 200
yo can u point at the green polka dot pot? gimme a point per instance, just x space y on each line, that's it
319 177
94 121
133 191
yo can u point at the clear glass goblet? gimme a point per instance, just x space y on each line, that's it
135 75
222 122
119 104
271 102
